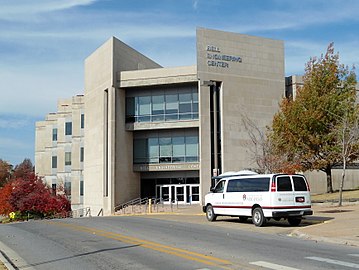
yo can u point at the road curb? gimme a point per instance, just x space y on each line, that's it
6 261
301 235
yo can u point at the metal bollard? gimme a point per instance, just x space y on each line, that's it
150 206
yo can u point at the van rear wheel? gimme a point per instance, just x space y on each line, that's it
258 217
211 216
294 221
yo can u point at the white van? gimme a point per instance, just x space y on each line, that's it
259 196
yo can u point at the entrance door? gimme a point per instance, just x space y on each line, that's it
195 193
165 193
182 194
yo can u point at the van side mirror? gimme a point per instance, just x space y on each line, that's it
211 189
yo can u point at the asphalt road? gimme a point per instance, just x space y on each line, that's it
151 243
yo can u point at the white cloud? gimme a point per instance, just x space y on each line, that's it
20 9
34 90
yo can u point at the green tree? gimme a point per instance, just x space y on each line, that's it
5 172
305 129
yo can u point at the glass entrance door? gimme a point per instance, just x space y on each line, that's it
182 194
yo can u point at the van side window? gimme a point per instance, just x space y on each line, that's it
248 185
284 183
220 187
299 183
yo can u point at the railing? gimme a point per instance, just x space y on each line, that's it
146 205
81 212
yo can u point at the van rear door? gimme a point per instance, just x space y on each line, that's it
284 196
301 191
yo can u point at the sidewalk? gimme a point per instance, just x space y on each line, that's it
337 224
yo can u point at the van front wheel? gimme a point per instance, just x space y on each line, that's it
211 216
258 217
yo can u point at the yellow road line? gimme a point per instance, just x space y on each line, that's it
189 255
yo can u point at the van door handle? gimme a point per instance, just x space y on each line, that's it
223 196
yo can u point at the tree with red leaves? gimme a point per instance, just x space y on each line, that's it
23 169
30 195
5 193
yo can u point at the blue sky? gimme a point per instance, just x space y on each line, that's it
43 44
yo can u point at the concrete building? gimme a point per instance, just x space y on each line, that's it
59 149
162 132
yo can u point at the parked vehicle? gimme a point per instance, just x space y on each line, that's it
260 197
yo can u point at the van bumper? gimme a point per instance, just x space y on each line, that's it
296 213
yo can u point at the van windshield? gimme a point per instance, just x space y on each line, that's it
248 184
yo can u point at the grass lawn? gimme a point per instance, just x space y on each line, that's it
349 194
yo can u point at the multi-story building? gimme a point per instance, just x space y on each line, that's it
59 149
160 132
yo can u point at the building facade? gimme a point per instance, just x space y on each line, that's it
151 131
59 149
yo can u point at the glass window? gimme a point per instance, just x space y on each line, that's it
248 185
191 149
179 149
284 183
68 128
54 134
82 120
82 154
53 189
67 188
195 105
67 158
81 188
140 151
165 150
220 187
195 96
171 107
299 183
144 105
54 162
185 106
153 150
158 108
130 106
185 103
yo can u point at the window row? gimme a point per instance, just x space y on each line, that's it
67 188
68 128
68 159
166 107
166 150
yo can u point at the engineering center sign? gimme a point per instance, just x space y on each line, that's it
216 59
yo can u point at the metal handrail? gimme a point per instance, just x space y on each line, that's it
136 201
157 205
81 212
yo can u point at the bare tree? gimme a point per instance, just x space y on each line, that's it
261 149
348 139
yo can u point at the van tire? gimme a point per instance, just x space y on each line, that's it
210 215
294 221
258 217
